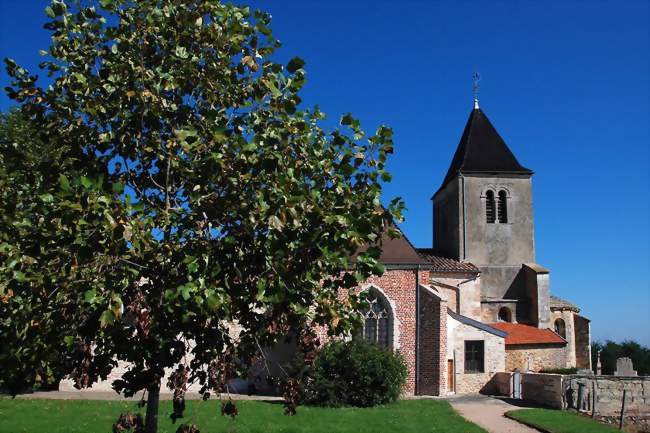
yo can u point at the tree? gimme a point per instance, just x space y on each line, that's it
171 185
610 351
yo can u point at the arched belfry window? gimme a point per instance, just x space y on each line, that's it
505 315
503 207
560 328
490 207
378 319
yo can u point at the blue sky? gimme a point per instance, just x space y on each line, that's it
565 83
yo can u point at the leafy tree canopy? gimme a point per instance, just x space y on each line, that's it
168 184
610 351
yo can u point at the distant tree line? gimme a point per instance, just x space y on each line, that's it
611 351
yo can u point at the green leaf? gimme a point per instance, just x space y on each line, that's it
50 12
19 276
182 52
64 183
275 223
295 64
118 187
90 295
272 87
107 318
87 183
261 289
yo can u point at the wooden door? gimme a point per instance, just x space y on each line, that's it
450 375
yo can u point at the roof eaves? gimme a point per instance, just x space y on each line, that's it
476 324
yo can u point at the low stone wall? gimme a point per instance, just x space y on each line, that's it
601 396
604 395
545 389
500 384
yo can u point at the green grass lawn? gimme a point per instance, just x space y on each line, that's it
557 421
76 416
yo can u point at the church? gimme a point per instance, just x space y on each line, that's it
476 302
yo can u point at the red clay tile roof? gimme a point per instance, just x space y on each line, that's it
444 264
519 333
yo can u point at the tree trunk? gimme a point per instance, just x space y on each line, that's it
153 402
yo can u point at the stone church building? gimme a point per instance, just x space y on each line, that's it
476 303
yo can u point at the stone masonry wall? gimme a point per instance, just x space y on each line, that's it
608 391
462 292
494 352
582 341
567 317
533 357
545 389
578 391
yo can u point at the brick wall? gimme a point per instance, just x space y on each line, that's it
398 287
534 357
433 344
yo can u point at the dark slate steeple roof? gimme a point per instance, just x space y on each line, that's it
482 150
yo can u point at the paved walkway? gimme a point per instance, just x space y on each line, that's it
488 413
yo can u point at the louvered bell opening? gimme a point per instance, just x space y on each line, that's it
503 207
490 211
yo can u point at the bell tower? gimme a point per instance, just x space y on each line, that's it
483 214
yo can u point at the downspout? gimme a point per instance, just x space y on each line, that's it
417 330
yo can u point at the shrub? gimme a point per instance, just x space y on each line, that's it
353 373
569 370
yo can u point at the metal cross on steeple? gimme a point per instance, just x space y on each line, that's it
476 77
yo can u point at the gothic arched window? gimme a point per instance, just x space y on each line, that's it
503 207
490 207
505 315
560 328
378 320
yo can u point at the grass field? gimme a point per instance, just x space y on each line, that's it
557 421
77 416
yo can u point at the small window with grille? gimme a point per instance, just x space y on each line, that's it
503 207
377 320
490 207
474 355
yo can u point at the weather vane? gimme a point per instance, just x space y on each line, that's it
476 77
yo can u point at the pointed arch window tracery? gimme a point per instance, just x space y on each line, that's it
378 319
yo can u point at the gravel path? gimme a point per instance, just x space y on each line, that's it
488 413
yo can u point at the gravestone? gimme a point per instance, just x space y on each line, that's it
624 367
